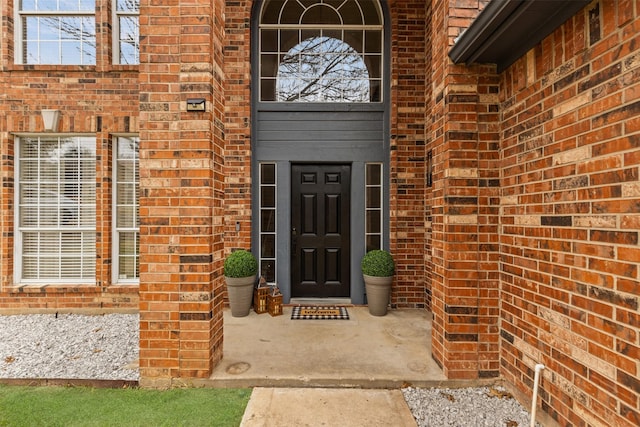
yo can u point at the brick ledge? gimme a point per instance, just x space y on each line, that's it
80 288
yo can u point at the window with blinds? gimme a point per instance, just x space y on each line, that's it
56 209
127 225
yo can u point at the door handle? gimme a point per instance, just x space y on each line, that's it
294 241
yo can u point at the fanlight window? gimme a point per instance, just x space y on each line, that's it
321 51
322 69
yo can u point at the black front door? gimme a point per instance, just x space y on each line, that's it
320 230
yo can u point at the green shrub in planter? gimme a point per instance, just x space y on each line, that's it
378 263
240 263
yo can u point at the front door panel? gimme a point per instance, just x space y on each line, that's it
320 230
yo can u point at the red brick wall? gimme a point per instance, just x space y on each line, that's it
237 153
181 241
570 218
430 119
408 154
527 241
99 100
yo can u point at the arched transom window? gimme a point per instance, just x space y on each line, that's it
321 51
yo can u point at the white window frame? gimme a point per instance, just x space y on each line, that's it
19 230
20 46
117 14
116 230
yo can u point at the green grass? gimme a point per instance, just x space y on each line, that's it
81 406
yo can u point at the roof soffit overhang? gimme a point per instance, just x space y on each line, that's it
507 29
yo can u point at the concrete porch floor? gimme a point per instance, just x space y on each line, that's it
363 352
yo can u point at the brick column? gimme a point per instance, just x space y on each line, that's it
181 190
237 173
464 130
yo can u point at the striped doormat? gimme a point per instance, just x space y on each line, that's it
319 313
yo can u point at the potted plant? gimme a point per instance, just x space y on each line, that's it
377 269
240 269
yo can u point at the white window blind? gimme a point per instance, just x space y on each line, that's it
127 226
56 209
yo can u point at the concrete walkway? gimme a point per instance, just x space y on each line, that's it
328 372
280 407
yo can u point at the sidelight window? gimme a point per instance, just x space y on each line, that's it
373 206
268 209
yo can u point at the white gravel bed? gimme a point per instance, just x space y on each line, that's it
68 346
476 406
105 347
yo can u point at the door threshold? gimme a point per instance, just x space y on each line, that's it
320 301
